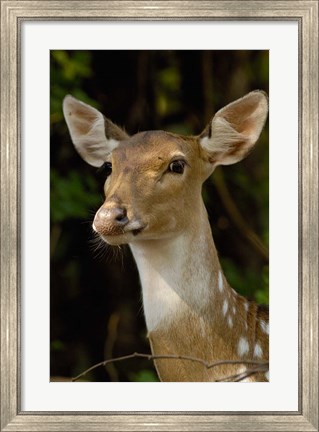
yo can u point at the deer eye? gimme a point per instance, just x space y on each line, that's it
106 169
177 166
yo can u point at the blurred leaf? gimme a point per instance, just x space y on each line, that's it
170 78
72 196
168 84
68 69
144 375
246 281
57 345
179 128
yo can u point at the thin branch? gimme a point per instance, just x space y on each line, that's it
260 363
112 328
237 217
247 373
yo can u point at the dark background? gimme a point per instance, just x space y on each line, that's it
96 309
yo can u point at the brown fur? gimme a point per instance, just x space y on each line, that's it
205 336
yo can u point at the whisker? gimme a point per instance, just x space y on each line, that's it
105 252
87 222
98 248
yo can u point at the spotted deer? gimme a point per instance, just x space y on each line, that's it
153 202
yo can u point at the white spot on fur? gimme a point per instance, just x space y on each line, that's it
245 380
267 375
246 306
220 281
133 225
258 352
264 326
242 370
202 327
225 307
230 321
243 346
234 310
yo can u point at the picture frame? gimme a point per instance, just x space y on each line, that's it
13 13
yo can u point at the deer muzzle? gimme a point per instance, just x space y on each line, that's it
110 221
114 221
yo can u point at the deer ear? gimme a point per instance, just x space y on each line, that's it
93 135
235 129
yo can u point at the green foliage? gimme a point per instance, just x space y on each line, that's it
246 281
144 375
72 67
57 345
168 87
68 70
72 196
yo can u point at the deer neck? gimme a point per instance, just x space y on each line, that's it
190 308
179 275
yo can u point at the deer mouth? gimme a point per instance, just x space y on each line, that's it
138 231
135 227
116 236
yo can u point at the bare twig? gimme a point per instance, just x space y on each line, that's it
247 373
258 363
237 217
109 344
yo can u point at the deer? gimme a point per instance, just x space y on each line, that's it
153 203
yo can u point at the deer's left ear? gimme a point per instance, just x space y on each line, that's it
93 135
235 129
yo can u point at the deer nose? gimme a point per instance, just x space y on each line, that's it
110 220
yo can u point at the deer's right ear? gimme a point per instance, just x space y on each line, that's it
93 135
234 130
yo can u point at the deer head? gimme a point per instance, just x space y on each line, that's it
154 179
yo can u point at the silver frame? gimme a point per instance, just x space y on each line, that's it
305 12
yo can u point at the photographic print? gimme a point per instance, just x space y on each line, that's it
159 167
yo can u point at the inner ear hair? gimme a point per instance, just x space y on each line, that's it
93 135
234 130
